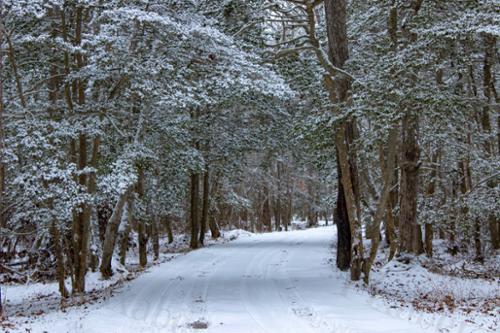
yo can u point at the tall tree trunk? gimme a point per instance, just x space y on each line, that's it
430 193
58 252
81 227
111 233
194 219
352 209
411 236
142 237
205 208
491 96
124 237
336 20
277 204
168 227
390 230
343 229
390 219
2 145
387 173
212 223
155 238
289 206
266 211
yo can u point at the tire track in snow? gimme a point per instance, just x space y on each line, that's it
177 298
298 306
257 301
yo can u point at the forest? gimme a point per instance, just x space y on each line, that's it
132 129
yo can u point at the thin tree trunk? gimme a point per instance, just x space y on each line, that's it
194 220
388 173
81 230
2 146
111 233
58 252
491 96
212 223
205 203
126 231
390 231
142 237
155 238
390 223
266 211
430 193
168 227
289 207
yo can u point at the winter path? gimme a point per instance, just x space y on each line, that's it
271 283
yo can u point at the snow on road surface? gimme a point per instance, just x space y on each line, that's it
272 283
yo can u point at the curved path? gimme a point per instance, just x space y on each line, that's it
271 283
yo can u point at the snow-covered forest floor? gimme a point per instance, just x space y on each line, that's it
275 282
445 285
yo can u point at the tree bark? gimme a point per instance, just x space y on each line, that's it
350 199
266 211
411 241
194 220
205 203
81 226
126 231
2 146
168 227
111 233
388 173
491 96
58 253
336 20
343 229
142 237
155 238
430 193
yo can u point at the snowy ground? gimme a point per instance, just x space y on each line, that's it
277 282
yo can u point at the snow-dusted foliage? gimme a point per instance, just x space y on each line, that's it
103 97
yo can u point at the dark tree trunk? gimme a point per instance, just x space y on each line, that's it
204 209
411 235
194 220
348 202
2 168
429 230
491 95
110 235
81 227
142 237
266 211
58 252
341 219
155 238
168 227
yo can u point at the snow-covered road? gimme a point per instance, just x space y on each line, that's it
276 283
